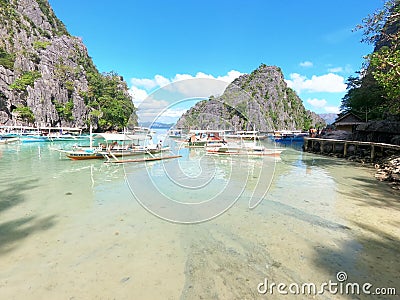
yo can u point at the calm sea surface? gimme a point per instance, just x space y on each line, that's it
197 227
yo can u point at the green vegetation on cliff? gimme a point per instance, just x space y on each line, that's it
110 105
25 114
26 79
7 59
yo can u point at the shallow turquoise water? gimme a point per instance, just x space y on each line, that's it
193 227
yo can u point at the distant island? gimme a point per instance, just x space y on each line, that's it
156 125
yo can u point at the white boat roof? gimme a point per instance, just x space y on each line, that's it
119 136
40 128
247 132
205 131
62 128
287 131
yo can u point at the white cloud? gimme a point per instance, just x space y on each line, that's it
231 76
347 69
153 104
320 105
182 86
161 80
336 70
144 82
138 95
317 103
306 64
330 83
332 109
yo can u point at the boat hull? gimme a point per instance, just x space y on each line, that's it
84 156
9 140
245 153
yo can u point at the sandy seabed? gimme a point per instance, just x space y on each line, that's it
78 233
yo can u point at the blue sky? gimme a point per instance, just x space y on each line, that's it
154 43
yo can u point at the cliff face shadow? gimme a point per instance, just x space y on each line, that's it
14 231
372 257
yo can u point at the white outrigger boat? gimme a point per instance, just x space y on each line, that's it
114 145
28 134
202 138
9 140
175 133
245 135
243 148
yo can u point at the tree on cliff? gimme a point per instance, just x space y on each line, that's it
111 106
377 90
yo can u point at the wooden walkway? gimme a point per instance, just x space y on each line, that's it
309 143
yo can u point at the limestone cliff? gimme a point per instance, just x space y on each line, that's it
260 100
43 68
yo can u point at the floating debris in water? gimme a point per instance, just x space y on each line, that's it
68 193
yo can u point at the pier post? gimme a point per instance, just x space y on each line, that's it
321 145
372 152
345 149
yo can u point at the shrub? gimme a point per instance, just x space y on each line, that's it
64 110
40 45
27 79
25 113
7 59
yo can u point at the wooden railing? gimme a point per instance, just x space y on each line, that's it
333 142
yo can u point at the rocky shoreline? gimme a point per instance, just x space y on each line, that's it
389 170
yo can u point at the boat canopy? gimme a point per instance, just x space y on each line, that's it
197 131
119 136
247 132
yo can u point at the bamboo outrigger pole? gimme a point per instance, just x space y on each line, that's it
141 159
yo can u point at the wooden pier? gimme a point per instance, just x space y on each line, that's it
330 146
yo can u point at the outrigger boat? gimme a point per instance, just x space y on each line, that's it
245 135
202 138
42 134
288 136
243 148
9 140
234 149
114 145
175 133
